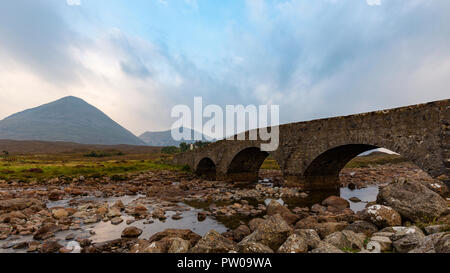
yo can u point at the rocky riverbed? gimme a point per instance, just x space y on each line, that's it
388 208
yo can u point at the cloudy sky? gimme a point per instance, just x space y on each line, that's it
136 59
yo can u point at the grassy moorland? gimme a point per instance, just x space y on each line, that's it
89 164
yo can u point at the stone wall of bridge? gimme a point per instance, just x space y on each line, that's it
311 154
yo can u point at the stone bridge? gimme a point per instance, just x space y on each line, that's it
311 154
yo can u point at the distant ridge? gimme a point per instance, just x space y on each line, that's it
164 138
69 119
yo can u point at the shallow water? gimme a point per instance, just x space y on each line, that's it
368 194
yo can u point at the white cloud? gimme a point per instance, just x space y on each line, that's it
373 2
73 2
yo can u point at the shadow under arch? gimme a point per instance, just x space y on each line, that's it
245 165
323 171
206 168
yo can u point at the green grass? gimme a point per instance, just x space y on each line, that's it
42 168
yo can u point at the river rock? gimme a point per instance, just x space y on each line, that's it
326 248
385 242
345 239
273 232
310 236
59 213
435 229
381 216
361 226
213 242
185 234
116 220
428 243
241 232
178 245
131 232
408 243
275 207
412 200
335 203
254 223
20 204
50 246
253 247
294 244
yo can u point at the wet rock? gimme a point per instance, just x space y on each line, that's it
254 223
273 232
20 204
56 195
59 213
178 245
360 226
294 244
159 214
50 246
141 210
116 220
114 212
412 200
326 248
276 208
33 246
241 232
131 232
355 199
119 204
335 203
184 234
201 216
381 216
318 208
310 236
345 239
253 247
213 242
46 231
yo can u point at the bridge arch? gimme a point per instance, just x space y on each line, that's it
206 168
323 170
244 165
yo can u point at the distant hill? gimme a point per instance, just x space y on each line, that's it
69 119
165 138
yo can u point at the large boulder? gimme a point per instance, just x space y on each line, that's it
294 244
310 236
276 208
345 239
335 203
360 226
429 243
381 216
131 232
273 232
185 234
412 200
241 232
408 242
213 242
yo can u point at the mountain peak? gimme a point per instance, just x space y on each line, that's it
69 119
